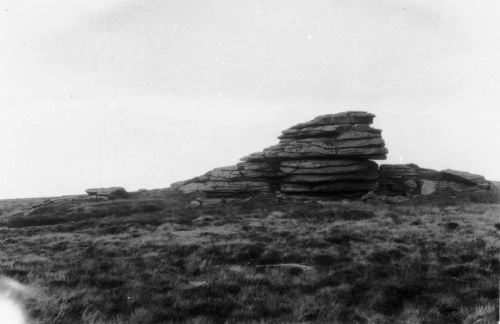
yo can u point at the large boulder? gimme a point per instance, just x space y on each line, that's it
398 178
111 192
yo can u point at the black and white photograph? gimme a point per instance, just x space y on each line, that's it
254 162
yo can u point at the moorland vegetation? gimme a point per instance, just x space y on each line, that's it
151 258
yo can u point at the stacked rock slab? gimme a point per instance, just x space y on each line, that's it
329 155
411 180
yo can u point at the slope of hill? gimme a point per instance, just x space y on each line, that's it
153 259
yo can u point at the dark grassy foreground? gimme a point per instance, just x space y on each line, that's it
155 260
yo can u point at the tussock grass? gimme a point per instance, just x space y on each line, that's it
152 259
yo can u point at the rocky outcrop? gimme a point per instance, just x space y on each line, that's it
329 155
412 181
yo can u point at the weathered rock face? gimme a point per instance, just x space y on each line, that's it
330 154
411 180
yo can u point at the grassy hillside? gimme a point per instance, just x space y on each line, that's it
152 259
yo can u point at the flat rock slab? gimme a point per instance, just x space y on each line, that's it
319 178
398 171
465 177
329 130
347 117
370 149
107 192
328 167
227 187
334 187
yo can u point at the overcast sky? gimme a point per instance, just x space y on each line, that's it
144 93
